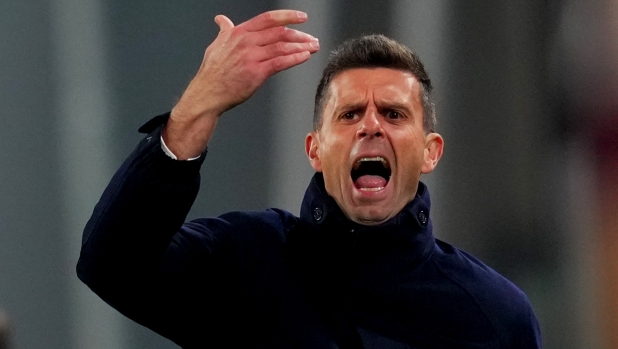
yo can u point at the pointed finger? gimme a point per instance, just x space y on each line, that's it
284 49
280 63
280 34
275 18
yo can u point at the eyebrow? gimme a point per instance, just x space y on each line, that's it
350 106
394 105
381 106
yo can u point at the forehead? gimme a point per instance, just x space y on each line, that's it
354 85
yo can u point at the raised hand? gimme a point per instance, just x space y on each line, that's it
235 65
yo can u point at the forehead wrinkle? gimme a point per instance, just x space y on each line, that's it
344 93
397 102
393 97
348 99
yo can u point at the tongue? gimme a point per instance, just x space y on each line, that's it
368 181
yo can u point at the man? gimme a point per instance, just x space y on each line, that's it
359 268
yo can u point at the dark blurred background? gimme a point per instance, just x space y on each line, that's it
526 100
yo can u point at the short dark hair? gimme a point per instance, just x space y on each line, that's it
375 51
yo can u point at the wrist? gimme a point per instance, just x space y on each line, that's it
187 134
191 109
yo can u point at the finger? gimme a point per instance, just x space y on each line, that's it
284 49
223 22
272 19
273 35
280 63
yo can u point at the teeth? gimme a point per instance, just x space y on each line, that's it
371 189
376 158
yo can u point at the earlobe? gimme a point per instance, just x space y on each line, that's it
312 147
434 145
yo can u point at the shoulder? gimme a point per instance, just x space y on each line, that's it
505 305
254 222
474 275
240 228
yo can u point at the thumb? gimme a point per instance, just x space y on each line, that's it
223 22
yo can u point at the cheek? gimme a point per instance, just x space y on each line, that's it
332 163
412 155
332 150
334 158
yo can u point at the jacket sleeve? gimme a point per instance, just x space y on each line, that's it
528 332
134 249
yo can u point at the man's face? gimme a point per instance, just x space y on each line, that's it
371 147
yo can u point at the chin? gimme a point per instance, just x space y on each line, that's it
371 217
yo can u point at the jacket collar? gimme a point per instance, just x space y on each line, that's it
410 229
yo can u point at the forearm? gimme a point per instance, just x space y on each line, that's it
144 205
137 253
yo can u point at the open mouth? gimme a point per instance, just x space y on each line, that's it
371 173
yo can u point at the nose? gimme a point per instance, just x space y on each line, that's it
370 125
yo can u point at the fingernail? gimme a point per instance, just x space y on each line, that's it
301 15
314 44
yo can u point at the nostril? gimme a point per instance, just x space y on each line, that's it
373 134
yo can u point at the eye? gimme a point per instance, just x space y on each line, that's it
394 115
350 115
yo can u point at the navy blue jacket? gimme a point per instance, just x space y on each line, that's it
269 279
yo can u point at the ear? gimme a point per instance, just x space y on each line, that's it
434 144
312 148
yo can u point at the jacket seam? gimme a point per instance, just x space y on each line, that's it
476 301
